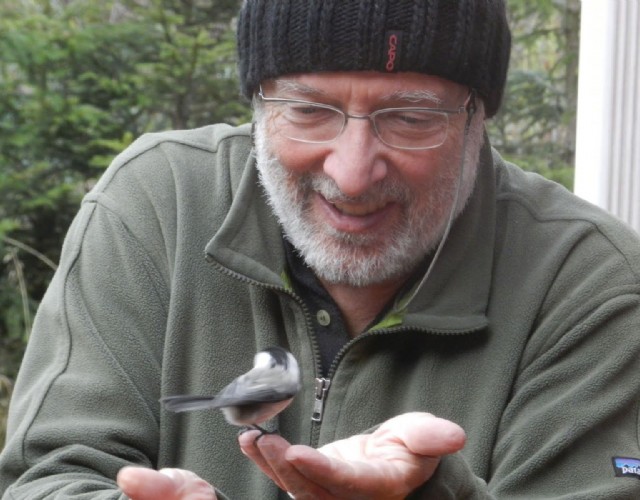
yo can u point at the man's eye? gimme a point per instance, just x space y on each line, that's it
301 113
304 110
414 119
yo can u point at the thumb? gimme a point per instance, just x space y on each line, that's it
139 483
424 434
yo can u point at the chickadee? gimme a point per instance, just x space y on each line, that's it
252 398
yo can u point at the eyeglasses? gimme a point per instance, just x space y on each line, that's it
403 128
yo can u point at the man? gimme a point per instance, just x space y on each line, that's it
464 329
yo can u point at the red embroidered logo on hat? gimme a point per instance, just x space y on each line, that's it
392 49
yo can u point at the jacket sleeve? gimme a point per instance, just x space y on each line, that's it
574 408
85 402
574 405
573 414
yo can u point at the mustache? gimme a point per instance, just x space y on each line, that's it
386 190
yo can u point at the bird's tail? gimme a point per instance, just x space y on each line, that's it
188 403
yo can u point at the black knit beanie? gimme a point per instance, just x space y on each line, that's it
465 41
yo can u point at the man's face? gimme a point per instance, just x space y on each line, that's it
361 212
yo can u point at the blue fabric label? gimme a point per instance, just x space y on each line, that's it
626 467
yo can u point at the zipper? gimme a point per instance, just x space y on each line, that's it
322 387
322 384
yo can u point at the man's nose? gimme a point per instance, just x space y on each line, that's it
355 161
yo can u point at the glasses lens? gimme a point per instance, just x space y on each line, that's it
411 128
307 122
406 128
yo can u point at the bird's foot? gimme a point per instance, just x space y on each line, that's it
256 427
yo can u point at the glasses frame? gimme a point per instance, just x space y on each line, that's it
468 104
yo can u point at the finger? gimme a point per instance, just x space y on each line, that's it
347 479
189 485
423 434
145 484
247 441
388 478
274 450
139 483
249 446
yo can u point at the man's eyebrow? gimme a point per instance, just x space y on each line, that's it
414 96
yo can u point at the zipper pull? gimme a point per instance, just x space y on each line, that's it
322 387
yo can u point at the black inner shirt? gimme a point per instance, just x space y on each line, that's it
330 328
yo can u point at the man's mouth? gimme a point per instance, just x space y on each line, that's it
358 209
356 216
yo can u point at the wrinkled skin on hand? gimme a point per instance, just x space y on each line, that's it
139 483
390 463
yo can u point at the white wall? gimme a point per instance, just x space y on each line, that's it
608 132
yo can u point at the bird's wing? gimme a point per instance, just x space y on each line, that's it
188 403
255 386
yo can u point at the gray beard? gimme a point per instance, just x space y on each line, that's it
355 259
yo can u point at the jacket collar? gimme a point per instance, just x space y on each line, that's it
456 294
454 298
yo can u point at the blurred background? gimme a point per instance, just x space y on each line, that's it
81 79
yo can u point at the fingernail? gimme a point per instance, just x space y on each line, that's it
126 480
170 473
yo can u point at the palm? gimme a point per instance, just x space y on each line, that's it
378 465
387 464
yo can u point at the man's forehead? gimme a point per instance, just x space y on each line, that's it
400 86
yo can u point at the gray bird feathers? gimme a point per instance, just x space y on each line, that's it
254 397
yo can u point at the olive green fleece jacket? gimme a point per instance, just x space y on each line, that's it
527 334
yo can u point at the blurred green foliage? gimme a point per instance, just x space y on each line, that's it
80 79
537 123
